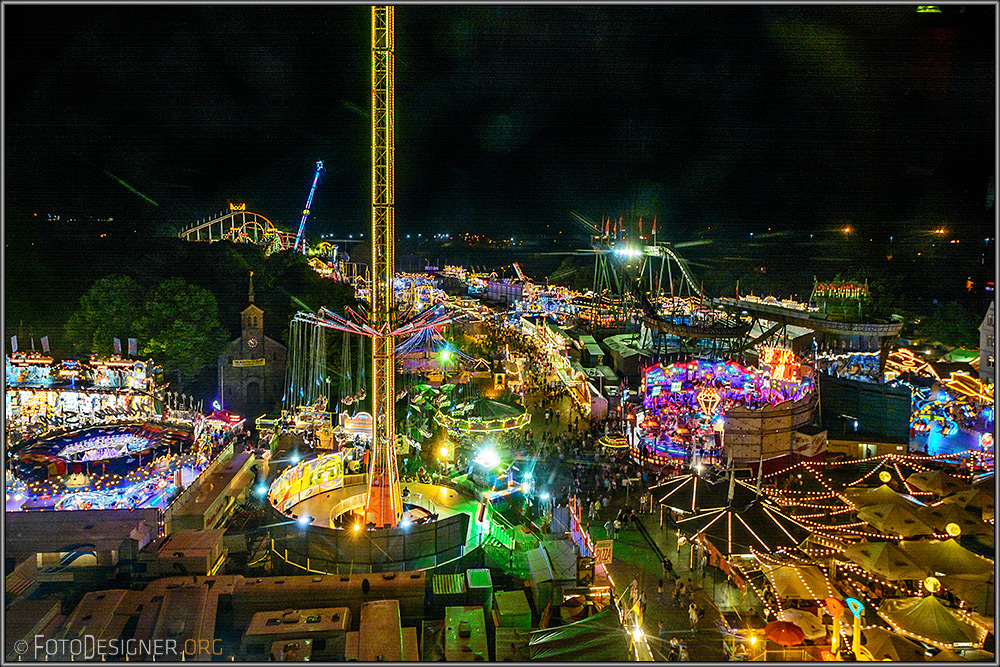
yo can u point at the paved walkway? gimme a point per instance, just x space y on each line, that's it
634 558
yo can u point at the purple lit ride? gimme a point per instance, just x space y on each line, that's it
684 405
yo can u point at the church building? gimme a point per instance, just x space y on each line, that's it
252 368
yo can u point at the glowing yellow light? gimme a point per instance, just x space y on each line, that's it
953 529
932 584
357 527
753 639
885 476
443 452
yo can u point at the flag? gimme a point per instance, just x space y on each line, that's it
45 344
637 612
118 345
13 344
133 346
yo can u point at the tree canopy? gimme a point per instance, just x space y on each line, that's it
180 327
107 310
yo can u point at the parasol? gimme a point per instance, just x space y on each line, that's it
810 624
880 496
974 498
886 645
785 633
931 622
980 594
885 559
937 481
941 515
947 557
895 519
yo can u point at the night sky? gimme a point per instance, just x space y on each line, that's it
508 117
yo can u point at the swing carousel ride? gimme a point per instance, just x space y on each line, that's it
327 518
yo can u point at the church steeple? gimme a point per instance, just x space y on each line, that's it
251 287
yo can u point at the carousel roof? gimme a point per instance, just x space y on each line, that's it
692 493
486 409
735 529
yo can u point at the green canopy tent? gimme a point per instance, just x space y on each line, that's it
928 620
885 559
882 495
947 557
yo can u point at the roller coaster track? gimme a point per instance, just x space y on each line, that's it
655 321
240 227
807 320
660 250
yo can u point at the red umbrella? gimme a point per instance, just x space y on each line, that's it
785 633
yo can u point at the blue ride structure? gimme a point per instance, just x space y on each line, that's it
305 212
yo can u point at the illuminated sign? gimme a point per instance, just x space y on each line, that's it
32 359
708 400
781 363
904 361
928 9
246 363
841 290
237 207
970 387
856 607
307 479
603 550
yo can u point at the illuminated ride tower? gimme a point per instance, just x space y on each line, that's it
383 322
384 504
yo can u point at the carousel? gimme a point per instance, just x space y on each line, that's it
684 404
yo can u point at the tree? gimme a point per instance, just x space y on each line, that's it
953 326
108 310
180 328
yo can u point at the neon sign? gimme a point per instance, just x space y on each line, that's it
237 207
904 361
781 363
841 290
708 400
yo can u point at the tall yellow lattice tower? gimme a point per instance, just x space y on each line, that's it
384 504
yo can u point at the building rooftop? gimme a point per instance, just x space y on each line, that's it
235 474
29 533
191 543
303 621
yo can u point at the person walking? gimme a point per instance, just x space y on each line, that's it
678 591
668 570
662 634
674 650
607 528
693 615
659 592
618 528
